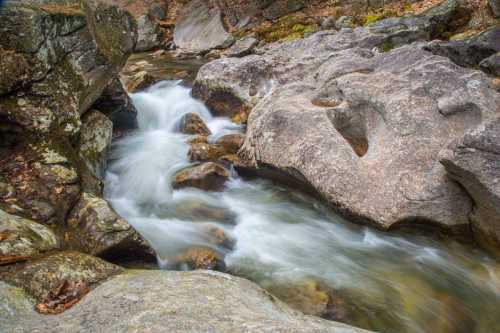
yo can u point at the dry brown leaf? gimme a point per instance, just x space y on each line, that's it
63 297
4 260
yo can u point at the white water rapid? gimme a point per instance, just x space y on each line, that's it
391 283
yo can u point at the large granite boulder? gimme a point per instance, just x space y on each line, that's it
474 161
362 127
73 48
157 301
199 28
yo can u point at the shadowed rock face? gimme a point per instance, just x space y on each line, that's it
363 128
471 52
474 161
157 301
73 49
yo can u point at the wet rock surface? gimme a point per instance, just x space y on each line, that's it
206 152
192 124
199 258
94 227
231 142
136 301
139 81
207 176
350 133
312 298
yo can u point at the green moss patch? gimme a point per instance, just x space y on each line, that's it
287 28
378 15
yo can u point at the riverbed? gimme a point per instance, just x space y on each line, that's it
287 241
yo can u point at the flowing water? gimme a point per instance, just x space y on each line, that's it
283 240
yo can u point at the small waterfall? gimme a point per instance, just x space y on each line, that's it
395 283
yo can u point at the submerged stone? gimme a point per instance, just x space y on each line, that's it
192 124
206 152
207 176
199 258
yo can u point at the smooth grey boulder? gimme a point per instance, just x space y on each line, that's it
361 128
160 301
474 161
149 34
199 28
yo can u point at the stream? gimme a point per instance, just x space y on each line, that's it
288 242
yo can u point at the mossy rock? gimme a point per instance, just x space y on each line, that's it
287 28
41 276
21 239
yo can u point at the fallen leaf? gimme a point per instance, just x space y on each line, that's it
4 235
4 260
63 297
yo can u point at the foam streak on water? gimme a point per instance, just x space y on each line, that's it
393 283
